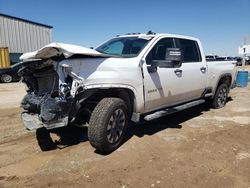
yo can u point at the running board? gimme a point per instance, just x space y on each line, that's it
172 110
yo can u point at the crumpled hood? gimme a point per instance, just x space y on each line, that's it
57 49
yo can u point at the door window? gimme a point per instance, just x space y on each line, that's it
189 50
158 52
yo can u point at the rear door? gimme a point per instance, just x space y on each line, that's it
194 70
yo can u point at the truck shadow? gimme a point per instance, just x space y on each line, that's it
65 137
71 135
172 121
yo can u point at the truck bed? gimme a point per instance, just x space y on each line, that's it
217 69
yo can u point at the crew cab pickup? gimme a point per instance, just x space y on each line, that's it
130 77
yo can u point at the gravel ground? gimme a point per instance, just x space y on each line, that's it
199 147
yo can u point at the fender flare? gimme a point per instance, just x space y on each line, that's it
221 76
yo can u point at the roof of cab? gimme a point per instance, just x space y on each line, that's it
145 35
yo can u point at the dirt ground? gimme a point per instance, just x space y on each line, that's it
199 147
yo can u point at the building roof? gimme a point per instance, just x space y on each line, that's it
24 20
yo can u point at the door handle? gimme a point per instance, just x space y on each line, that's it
178 71
203 69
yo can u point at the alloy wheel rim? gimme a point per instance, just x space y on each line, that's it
115 126
222 97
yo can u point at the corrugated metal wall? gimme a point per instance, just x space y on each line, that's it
20 36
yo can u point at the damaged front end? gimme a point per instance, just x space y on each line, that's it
48 102
55 92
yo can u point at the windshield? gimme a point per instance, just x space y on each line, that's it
123 46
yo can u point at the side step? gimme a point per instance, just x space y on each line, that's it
172 110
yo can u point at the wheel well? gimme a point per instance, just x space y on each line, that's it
226 79
98 94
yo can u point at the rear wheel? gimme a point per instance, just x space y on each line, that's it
220 97
108 124
6 78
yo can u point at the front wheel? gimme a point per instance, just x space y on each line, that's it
108 124
220 97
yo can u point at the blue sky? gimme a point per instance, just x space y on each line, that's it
219 24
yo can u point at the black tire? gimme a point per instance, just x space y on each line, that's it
108 124
6 78
220 97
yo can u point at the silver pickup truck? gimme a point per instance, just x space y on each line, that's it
129 77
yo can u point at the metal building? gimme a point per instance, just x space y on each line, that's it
21 35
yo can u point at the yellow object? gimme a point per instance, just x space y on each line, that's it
4 58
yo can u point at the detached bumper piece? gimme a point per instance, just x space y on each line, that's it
31 122
45 112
